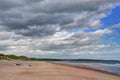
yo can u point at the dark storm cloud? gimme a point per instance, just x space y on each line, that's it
13 23
37 31
8 4
18 15
59 6
50 19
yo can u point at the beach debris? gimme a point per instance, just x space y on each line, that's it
18 64
29 65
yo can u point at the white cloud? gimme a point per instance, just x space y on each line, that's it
115 26
95 23
102 32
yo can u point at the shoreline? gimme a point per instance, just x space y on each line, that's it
43 70
88 68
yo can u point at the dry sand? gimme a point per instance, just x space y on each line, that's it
47 71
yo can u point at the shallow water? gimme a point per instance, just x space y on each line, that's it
113 67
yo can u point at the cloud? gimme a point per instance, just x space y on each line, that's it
53 27
38 31
115 26
3 47
20 14
49 6
72 42
8 4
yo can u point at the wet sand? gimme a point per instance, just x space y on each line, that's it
46 71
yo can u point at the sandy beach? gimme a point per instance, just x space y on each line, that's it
27 70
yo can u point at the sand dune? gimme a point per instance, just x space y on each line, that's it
47 71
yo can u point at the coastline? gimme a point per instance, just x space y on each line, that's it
41 70
89 68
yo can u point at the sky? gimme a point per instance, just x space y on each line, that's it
65 29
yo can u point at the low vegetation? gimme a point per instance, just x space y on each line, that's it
24 58
12 57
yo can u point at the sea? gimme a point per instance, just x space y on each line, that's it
109 67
